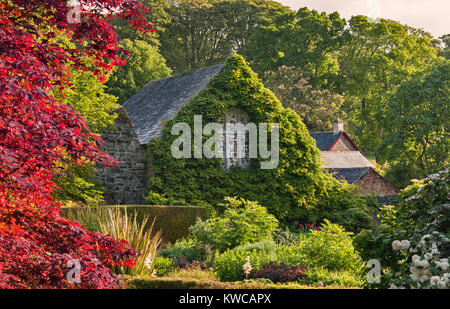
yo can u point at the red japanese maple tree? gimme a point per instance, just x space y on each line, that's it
37 132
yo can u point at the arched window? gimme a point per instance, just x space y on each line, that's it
234 140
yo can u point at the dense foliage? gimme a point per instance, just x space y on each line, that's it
144 64
362 60
317 108
412 242
203 32
37 132
297 188
327 250
416 138
242 222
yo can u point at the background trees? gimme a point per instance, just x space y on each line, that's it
204 32
144 64
416 125
317 107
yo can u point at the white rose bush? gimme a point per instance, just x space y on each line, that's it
412 242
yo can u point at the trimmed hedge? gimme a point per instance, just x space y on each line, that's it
174 221
185 283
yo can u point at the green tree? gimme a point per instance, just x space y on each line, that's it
144 64
204 32
416 138
445 52
89 98
245 16
318 108
306 39
376 58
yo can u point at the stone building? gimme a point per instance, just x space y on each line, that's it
343 158
142 116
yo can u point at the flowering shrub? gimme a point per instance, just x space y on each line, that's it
412 242
426 267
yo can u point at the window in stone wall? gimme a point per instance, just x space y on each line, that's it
234 144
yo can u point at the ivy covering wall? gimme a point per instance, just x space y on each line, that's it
298 189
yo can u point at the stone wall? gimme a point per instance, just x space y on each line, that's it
373 182
125 182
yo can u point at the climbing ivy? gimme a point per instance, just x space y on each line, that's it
298 189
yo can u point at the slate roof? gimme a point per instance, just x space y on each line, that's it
159 100
344 159
324 140
351 175
348 165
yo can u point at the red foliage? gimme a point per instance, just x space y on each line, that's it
37 132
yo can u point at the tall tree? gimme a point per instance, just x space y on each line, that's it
204 32
317 108
377 57
445 52
307 39
144 64
416 137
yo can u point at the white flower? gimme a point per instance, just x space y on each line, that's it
414 277
428 256
415 258
421 243
434 251
396 245
425 237
247 267
442 285
405 244
423 278
149 261
434 280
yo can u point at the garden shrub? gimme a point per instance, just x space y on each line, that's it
331 248
285 236
242 222
267 246
290 255
297 189
412 242
138 234
186 248
228 265
354 219
336 277
78 183
163 266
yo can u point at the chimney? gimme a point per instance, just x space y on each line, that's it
338 126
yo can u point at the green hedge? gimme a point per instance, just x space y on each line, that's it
185 283
172 220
